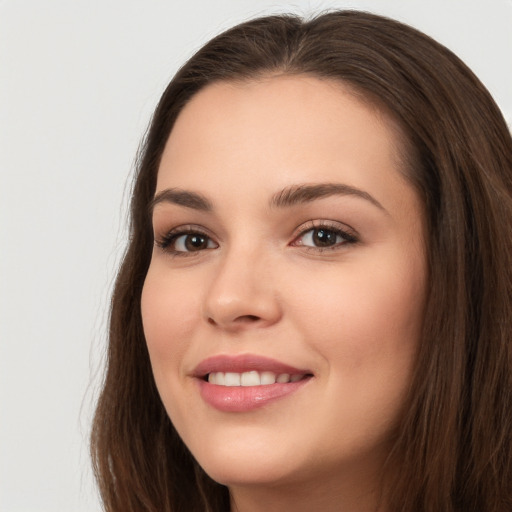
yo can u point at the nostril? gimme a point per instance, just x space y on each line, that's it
238 321
248 318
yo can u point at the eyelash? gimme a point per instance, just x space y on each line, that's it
347 234
167 241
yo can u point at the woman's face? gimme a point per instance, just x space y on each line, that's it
289 246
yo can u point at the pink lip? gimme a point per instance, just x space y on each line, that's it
245 398
244 363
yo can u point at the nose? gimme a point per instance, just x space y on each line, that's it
242 293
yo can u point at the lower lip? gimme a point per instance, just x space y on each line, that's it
246 398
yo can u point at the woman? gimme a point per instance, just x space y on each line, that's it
313 312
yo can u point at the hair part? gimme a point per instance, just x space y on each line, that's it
454 442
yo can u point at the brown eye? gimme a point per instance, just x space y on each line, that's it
191 242
323 237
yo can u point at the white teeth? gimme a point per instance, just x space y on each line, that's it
267 378
231 379
252 378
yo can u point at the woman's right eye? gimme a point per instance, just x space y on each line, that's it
186 242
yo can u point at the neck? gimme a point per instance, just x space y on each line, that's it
353 493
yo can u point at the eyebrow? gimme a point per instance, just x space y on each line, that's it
300 194
290 196
182 198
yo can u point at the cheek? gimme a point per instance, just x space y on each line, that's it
169 315
365 316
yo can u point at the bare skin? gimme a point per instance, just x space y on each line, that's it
285 229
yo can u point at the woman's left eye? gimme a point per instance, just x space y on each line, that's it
324 238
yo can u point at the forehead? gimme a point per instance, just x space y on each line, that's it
279 129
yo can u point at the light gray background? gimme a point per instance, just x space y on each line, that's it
78 81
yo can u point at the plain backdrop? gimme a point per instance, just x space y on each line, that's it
78 82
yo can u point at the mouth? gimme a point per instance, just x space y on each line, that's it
253 378
246 382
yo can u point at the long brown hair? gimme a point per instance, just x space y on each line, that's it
453 445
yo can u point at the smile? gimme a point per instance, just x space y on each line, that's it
246 382
252 378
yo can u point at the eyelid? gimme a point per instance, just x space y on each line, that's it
347 232
165 240
350 236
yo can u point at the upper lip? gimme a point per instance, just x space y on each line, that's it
244 363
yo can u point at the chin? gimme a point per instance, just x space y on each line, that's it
244 475
248 463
